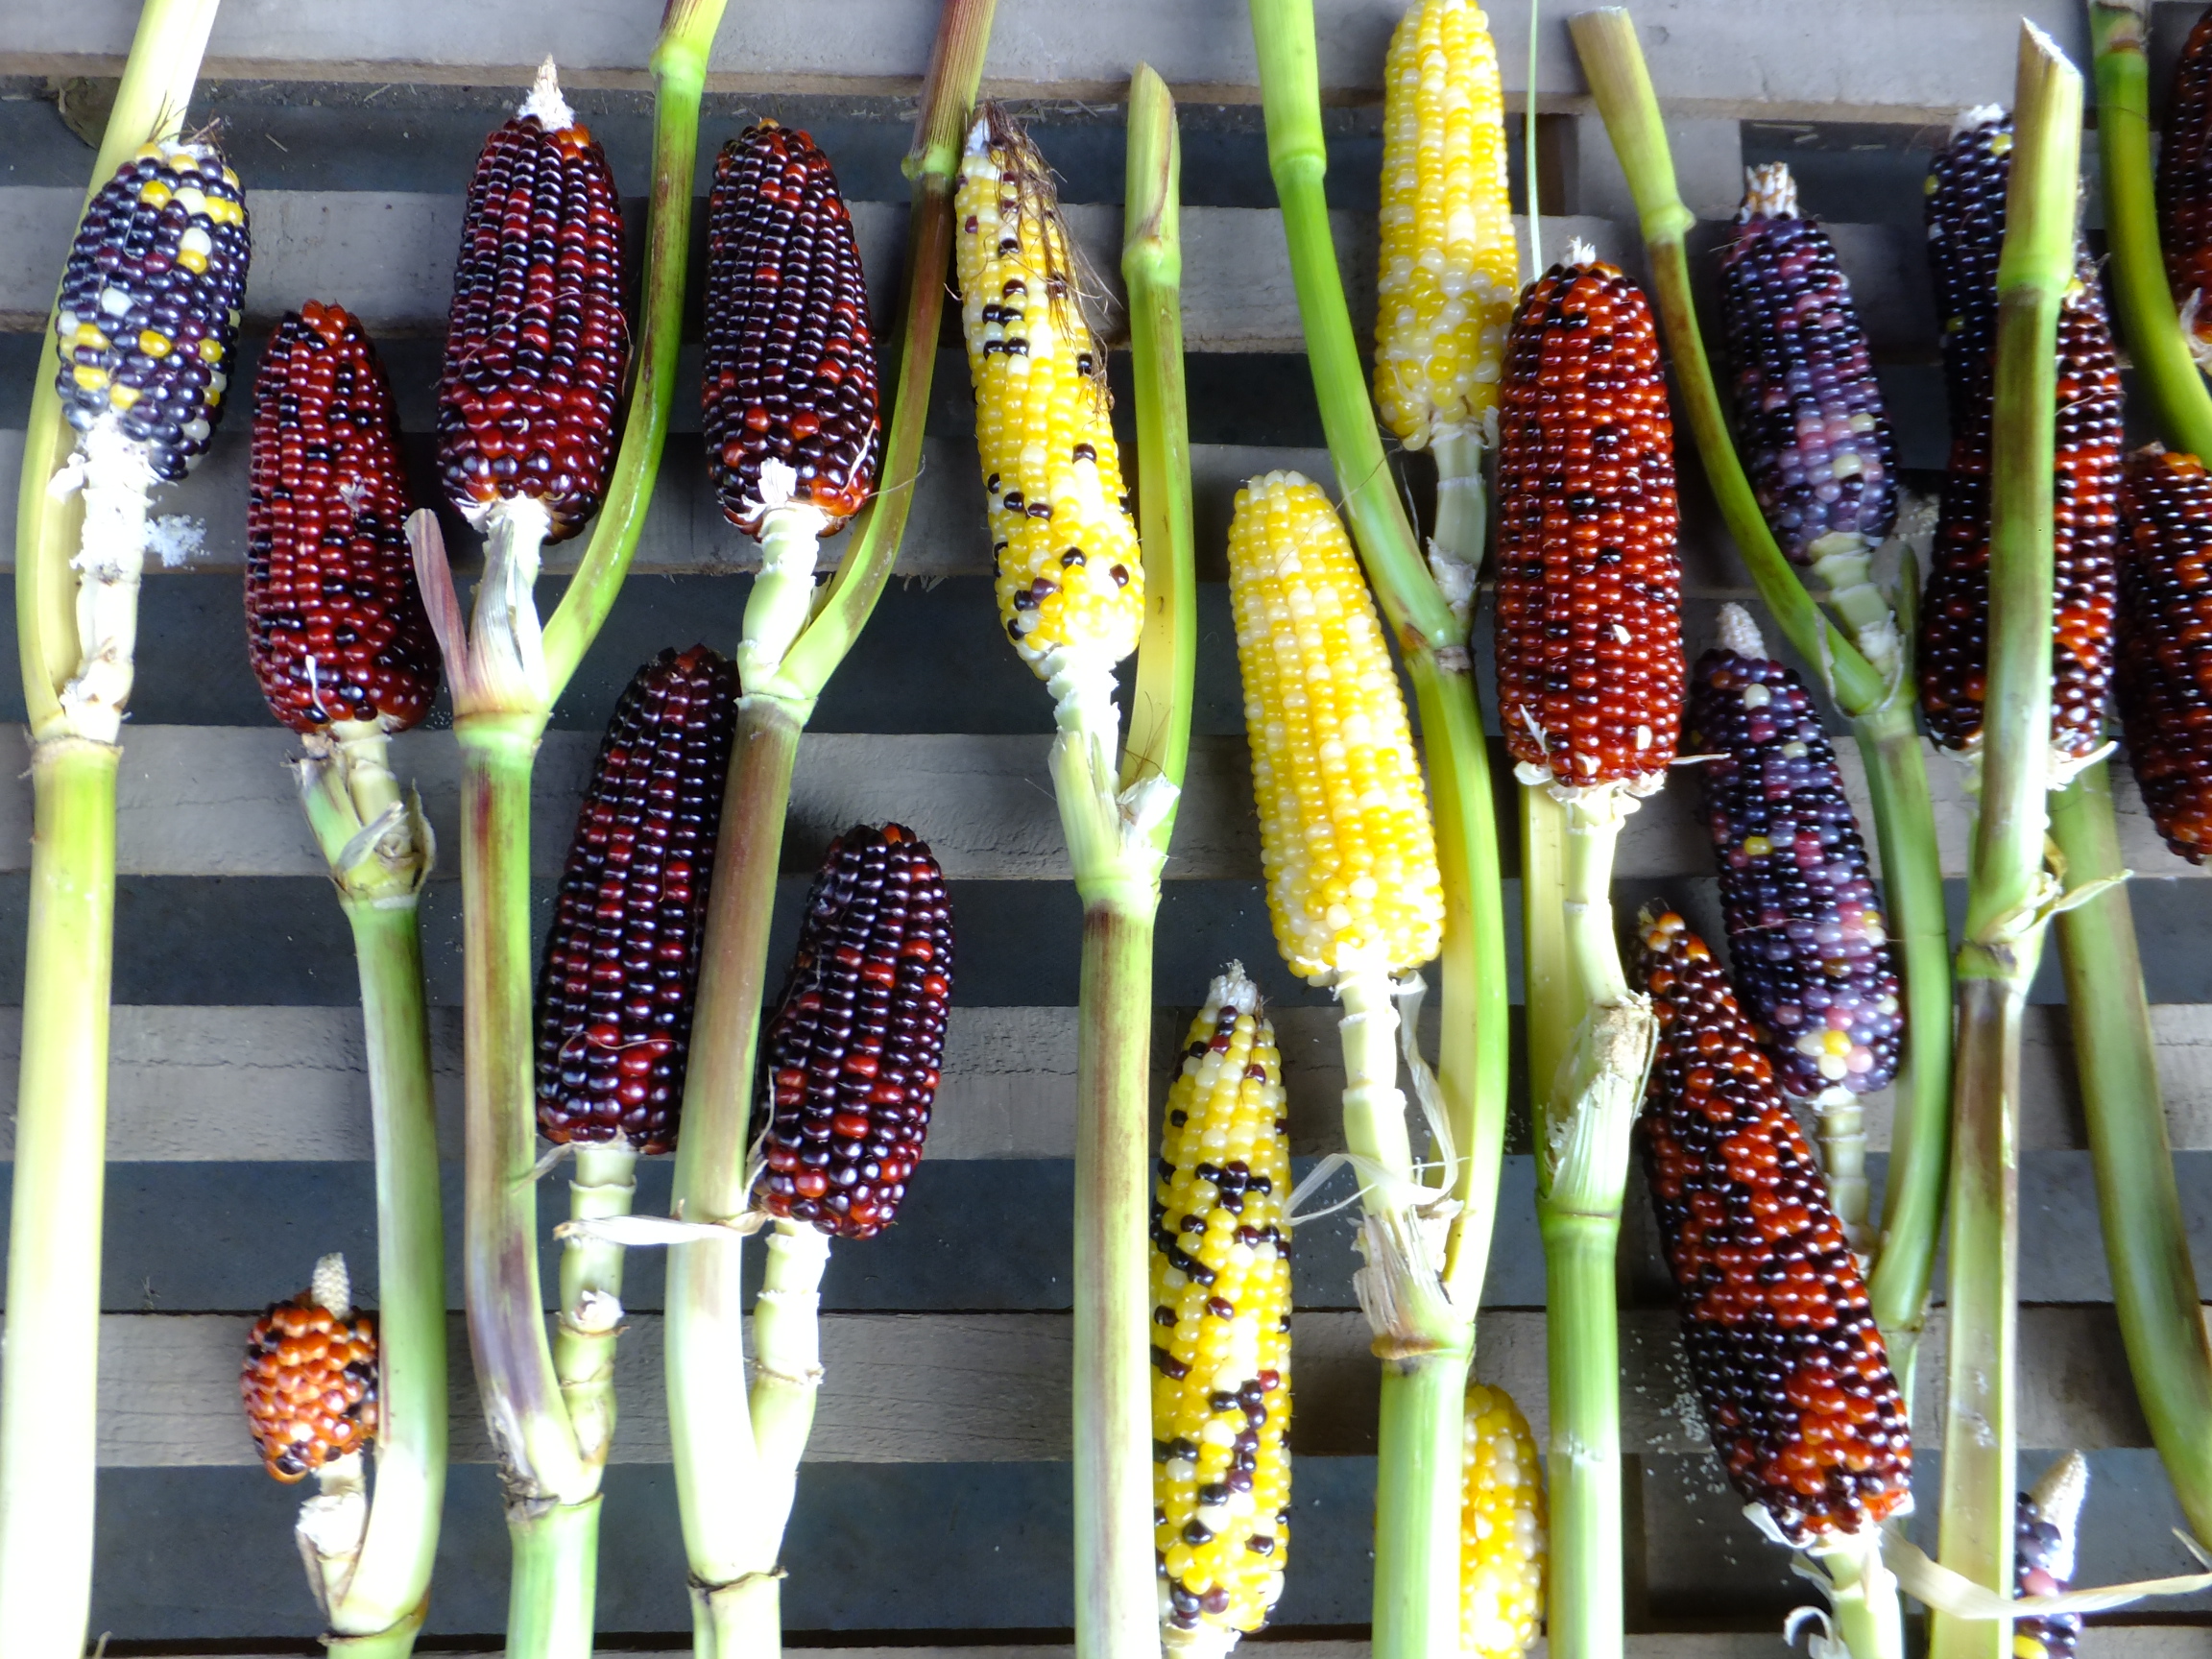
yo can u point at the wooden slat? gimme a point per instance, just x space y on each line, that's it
959 1387
1883 60
2096 1642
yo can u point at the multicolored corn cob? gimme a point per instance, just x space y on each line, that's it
2165 654
150 302
623 956
334 618
309 1382
1344 830
1590 666
2185 186
1812 958
789 403
1966 230
849 1059
1792 1374
1447 278
1501 1529
1063 538
536 343
2046 1523
1221 1312
1809 411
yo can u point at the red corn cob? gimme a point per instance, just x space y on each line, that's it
623 956
2165 677
849 1060
333 617
1793 1375
790 364
309 1380
536 344
2185 185
1590 669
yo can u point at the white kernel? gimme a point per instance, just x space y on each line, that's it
1756 696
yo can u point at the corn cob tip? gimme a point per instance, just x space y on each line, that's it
1973 120
2059 1493
332 1285
309 1379
2044 1540
1579 254
1740 633
1769 192
545 101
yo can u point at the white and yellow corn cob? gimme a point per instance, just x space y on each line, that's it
1070 581
1501 1529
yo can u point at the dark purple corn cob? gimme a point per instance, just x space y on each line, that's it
2045 1525
622 959
1812 958
149 302
849 1060
1809 411
790 364
2185 186
1793 1375
334 619
536 343
2165 679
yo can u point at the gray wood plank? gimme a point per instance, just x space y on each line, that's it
2096 1642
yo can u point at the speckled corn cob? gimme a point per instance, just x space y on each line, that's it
790 364
2185 185
149 302
1501 1529
1793 1375
333 615
1809 410
1588 630
1222 1318
622 955
1062 540
536 344
2045 1527
2165 671
1446 280
1344 830
309 1380
1812 956
849 1059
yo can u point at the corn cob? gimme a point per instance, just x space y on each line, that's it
536 343
1070 582
622 955
2164 663
1966 231
1809 411
2186 188
2043 1540
1502 1543
1344 830
849 1057
1796 1383
333 614
149 307
309 1382
1222 1350
1590 669
1810 956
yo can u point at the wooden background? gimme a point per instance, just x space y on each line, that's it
935 1511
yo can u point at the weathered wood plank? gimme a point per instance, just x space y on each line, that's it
2096 1642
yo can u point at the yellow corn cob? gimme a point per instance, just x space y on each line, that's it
1344 830
1063 540
1222 1318
1445 284
1502 1523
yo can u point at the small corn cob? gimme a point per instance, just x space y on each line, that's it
1501 1529
1809 411
2164 666
2185 186
622 955
1344 830
149 309
536 343
2046 1523
1221 1305
849 1059
1792 1374
790 365
1812 958
1070 581
333 615
309 1382
1446 282
1590 667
